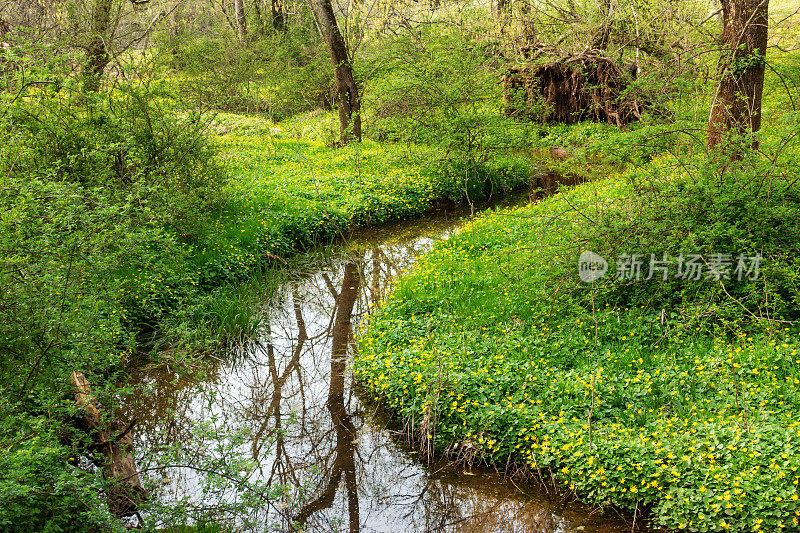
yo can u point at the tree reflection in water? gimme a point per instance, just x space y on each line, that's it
305 429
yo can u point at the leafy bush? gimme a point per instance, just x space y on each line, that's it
99 197
278 75
433 86
720 208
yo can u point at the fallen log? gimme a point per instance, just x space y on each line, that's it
112 442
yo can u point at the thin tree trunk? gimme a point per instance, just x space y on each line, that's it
737 103
241 21
5 27
349 99
97 57
345 431
260 25
502 14
175 28
344 462
528 26
600 41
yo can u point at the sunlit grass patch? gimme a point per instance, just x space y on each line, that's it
628 405
285 194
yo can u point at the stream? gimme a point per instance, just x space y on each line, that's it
326 460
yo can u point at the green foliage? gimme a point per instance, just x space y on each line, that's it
230 313
118 223
278 75
694 430
290 194
40 491
99 197
118 235
615 387
720 208
435 85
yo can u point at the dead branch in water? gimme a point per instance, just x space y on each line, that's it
113 441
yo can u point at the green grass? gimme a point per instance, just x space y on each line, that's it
286 194
489 338
667 398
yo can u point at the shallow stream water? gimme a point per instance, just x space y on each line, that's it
285 401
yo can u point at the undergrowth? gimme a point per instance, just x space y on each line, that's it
641 391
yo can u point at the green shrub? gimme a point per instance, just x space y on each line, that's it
433 86
278 75
100 197
40 490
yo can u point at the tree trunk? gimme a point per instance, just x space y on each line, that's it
278 16
349 99
5 27
261 26
502 14
737 102
528 28
175 28
241 21
600 41
96 52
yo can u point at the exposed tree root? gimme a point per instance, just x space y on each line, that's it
585 86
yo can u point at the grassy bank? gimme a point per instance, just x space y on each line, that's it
489 351
673 397
287 193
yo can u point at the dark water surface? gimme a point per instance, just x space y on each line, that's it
285 402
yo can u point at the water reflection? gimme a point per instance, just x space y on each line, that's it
344 463
285 402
